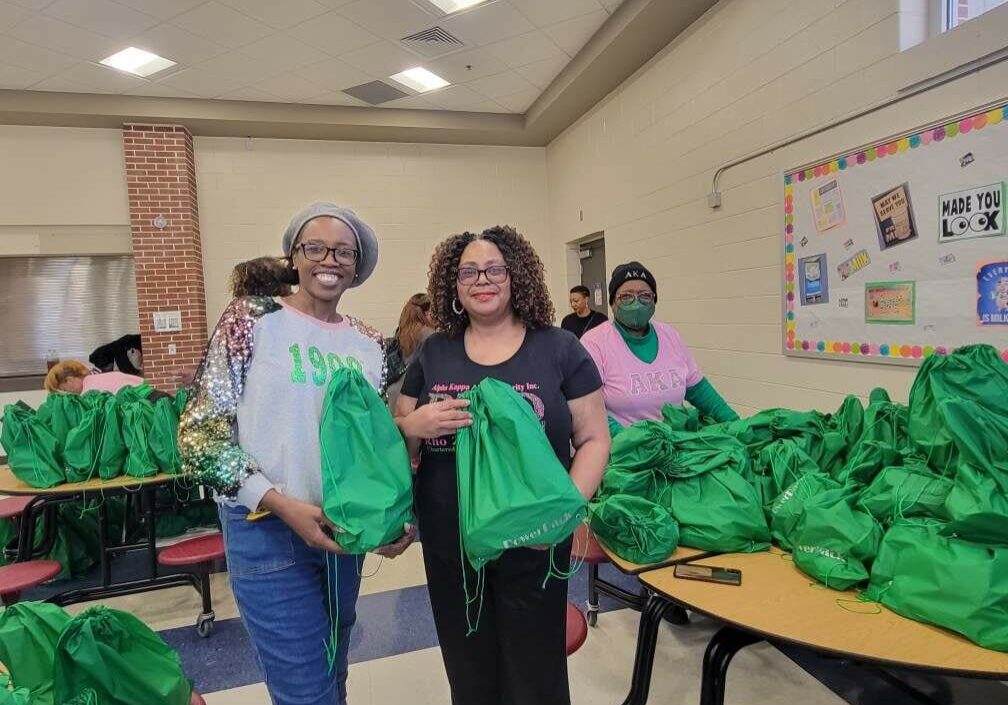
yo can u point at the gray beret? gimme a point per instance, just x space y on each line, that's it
367 241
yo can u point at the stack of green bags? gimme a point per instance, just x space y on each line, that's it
907 498
101 656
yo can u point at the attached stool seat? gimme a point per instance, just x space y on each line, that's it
20 576
577 629
200 552
586 548
13 507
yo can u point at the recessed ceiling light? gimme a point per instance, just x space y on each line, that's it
450 6
419 79
137 62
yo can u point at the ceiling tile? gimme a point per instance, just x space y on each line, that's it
31 4
336 4
392 19
290 87
489 106
17 78
611 5
382 60
455 98
520 101
222 24
160 8
542 73
452 68
279 52
92 78
10 15
487 24
29 56
526 49
159 90
336 98
333 74
413 102
176 44
333 34
49 32
501 84
101 17
278 14
203 83
543 14
573 34
253 94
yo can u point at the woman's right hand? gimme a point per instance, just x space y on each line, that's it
306 520
440 418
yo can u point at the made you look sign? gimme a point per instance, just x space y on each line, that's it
976 212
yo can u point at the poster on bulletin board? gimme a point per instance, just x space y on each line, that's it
899 251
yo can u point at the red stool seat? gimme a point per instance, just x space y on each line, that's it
201 549
20 576
11 507
586 547
577 629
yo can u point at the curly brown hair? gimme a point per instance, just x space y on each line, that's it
262 276
530 298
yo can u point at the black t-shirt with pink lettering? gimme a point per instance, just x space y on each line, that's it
549 369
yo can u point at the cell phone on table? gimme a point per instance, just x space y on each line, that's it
708 573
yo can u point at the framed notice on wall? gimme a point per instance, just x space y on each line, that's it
899 251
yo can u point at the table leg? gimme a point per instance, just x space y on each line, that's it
147 499
26 530
103 543
727 642
652 614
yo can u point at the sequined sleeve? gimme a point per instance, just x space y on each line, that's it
207 428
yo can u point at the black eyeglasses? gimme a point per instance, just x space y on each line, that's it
495 274
645 297
317 252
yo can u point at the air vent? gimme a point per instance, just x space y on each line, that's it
433 42
375 92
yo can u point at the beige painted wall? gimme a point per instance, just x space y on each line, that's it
55 179
413 195
748 74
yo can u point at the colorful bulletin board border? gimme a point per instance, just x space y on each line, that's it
896 350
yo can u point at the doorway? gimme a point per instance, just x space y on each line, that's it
593 271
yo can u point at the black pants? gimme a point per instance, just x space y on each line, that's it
517 656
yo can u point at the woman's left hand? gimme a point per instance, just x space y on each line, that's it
393 550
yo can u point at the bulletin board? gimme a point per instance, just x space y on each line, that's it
898 251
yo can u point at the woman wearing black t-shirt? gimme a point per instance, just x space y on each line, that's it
494 319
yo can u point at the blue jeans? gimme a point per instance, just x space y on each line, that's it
285 598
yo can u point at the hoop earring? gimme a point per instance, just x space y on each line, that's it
458 311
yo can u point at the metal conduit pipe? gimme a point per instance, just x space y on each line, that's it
714 197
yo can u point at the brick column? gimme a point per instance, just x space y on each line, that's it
168 258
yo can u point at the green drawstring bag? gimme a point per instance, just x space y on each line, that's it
848 420
163 439
512 489
112 452
977 505
367 483
614 427
834 542
137 420
180 399
681 418
924 574
60 412
636 529
17 696
906 491
29 632
119 658
33 452
975 373
780 465
788 508
865 462
80 452
638 458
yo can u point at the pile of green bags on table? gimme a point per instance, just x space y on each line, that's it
911 499
102 656
74 438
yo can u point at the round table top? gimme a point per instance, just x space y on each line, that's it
779 602
680 555
12 485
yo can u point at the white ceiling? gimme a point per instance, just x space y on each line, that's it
294 51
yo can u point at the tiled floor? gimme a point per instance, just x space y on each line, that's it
395 658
